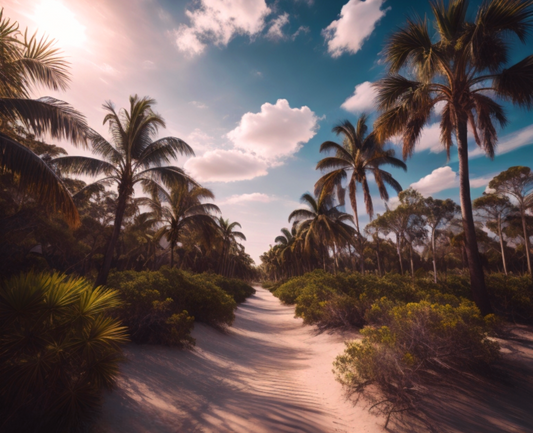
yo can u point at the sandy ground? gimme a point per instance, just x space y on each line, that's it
267 373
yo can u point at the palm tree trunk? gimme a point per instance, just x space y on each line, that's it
101 279
477 277
171 255
500 234
434 256
526 241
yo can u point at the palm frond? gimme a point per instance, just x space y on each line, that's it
83 165
516 83
301 214
163 151
46 115
37 178
332 163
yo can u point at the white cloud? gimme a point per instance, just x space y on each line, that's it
225 166
363 99
522 137
198 104
356 23
430 139
278 131
438 180
301 30
200 141
276 28
246 198
218 21
445 178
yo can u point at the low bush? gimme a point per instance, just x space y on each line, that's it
59 349
161 307
237 289
411 342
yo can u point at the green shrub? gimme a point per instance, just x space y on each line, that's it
237 289
58 350
161 307
512 296
411 343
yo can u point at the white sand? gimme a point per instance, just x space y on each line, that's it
269 373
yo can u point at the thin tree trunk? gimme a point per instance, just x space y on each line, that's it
500 234
434 256
101 279
477 277
411 259
399 249
378 256
526 242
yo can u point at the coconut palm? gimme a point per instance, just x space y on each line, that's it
323 225
132 157
27 62
182 211
229 239
462 68
359 155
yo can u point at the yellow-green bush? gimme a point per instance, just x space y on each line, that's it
161 307
237 289
59 349
411 342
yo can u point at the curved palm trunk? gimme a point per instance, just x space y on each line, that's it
500 235
477 277
526 241
110 251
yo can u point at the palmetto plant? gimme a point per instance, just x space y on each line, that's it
462 68
323 225
27 62
132 157
59 348
182 211
359 155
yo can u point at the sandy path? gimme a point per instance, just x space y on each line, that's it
269 373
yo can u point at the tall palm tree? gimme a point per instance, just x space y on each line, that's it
27 62
359 155
461 69
182 211
131 158
229 241
323 225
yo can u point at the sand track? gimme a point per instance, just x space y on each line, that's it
268 373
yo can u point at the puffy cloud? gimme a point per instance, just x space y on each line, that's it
218 21
363 99
522 137
246 198
225 166
438 180
276 28
276 132
356 23
200 141
445 178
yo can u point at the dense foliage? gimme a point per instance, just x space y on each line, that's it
160 307
59 348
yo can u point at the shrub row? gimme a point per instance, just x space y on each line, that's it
160 307
342 300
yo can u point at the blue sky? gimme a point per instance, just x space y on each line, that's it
254 87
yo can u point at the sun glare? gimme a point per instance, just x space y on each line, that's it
56 20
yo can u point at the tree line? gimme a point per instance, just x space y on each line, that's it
51 219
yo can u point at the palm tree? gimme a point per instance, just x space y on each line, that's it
229 241
360 154
133 157
182 212
24 65
461 70
286 243
323 225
